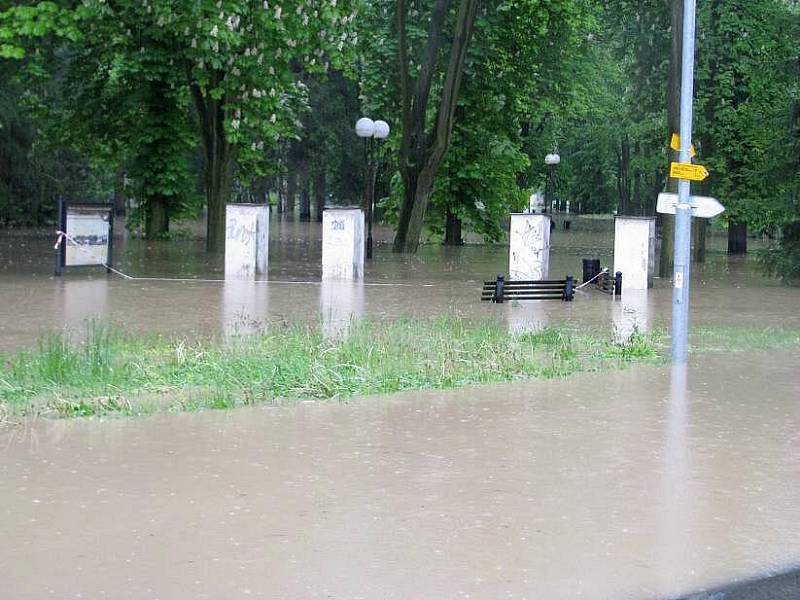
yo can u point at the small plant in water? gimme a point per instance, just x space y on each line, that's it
636 346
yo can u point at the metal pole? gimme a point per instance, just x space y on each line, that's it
548 190
683 211
110 257
61 224
370 194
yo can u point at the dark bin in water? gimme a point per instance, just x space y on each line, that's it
591 268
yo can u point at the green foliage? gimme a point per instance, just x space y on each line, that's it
513 75
142 64
747 85
110 371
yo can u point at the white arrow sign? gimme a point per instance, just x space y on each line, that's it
702 206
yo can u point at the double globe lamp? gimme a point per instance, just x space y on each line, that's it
368 129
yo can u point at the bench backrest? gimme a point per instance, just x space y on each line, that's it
501 290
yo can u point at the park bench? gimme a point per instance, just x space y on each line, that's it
501 290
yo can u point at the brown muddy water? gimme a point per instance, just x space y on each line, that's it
726 291
639 484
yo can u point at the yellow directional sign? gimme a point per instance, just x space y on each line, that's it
675 144
687 171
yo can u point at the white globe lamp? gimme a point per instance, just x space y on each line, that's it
365 127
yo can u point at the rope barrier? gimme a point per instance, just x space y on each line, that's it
62 235
602 272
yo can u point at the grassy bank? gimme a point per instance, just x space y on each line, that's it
113 371
106 370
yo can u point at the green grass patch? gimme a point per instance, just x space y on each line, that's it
107 370
740 339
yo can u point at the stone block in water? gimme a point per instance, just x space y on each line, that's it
246 240
343 243
529 247
634 251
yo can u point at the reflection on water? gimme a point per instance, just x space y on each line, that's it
524 317
340 303
631 313
674 530
245 306
84 300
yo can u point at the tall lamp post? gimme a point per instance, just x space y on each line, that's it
367 129
551 160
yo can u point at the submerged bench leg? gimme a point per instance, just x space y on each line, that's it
499 289
569 289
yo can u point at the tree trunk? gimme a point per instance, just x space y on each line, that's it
119 194
699 229
281 191
409 191
421 153
291 191
156 218
305 197
737 238
319 192
416 215
452 231
220 159
219 179
665 265
623 176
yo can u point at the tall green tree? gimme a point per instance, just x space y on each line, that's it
744 53
239 60
519 68
460 147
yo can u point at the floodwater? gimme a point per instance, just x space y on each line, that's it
726 291
640 484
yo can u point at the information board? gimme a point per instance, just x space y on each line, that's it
89 231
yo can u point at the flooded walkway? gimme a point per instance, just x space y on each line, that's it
640 484
726 291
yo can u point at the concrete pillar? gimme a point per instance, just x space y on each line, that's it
246 240
634 251
343 244
529 249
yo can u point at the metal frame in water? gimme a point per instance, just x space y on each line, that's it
63 208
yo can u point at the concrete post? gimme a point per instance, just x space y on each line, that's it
529 247
246 240
343 244
634 251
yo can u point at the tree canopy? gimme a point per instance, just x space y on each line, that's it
181 104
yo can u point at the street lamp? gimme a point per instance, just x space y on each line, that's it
551 160
368 129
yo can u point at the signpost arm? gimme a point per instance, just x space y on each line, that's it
683 211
